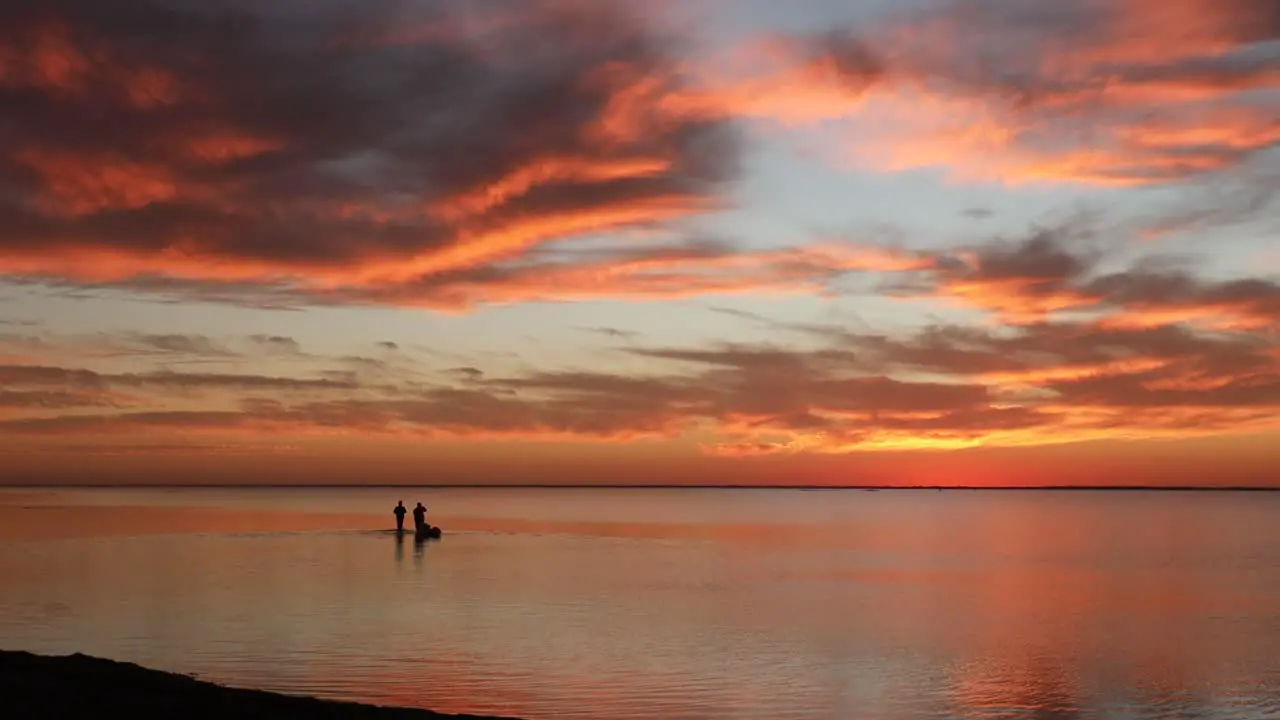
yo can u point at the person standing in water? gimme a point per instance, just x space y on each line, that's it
399 511
419 517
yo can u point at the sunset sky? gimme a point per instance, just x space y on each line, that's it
710 241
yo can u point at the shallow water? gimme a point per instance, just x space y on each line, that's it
618 604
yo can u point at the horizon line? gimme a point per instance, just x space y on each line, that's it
640 486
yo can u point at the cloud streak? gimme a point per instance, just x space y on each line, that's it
661 271
47 376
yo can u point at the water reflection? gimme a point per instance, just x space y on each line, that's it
763 606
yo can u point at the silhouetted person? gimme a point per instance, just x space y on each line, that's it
419 517
400 511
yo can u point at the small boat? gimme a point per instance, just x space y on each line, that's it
427 532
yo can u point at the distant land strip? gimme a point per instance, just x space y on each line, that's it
637 486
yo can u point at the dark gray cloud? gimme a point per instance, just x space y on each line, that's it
51 400
612 332
220 140
52 376
467 373
183 344
277 343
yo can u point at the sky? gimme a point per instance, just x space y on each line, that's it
939 242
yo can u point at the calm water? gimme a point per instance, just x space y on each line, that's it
617 604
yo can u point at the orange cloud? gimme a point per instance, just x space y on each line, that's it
53 56
496 270
662 273
488 244
1014 300
1124 93
790 80
223 147
1052 272
525 179
1039 376
79 186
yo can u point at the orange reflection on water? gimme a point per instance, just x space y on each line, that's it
617 605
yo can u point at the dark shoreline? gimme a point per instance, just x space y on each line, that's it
43 686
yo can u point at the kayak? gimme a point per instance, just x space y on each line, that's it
430 532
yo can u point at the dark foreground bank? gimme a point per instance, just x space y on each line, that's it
38 686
